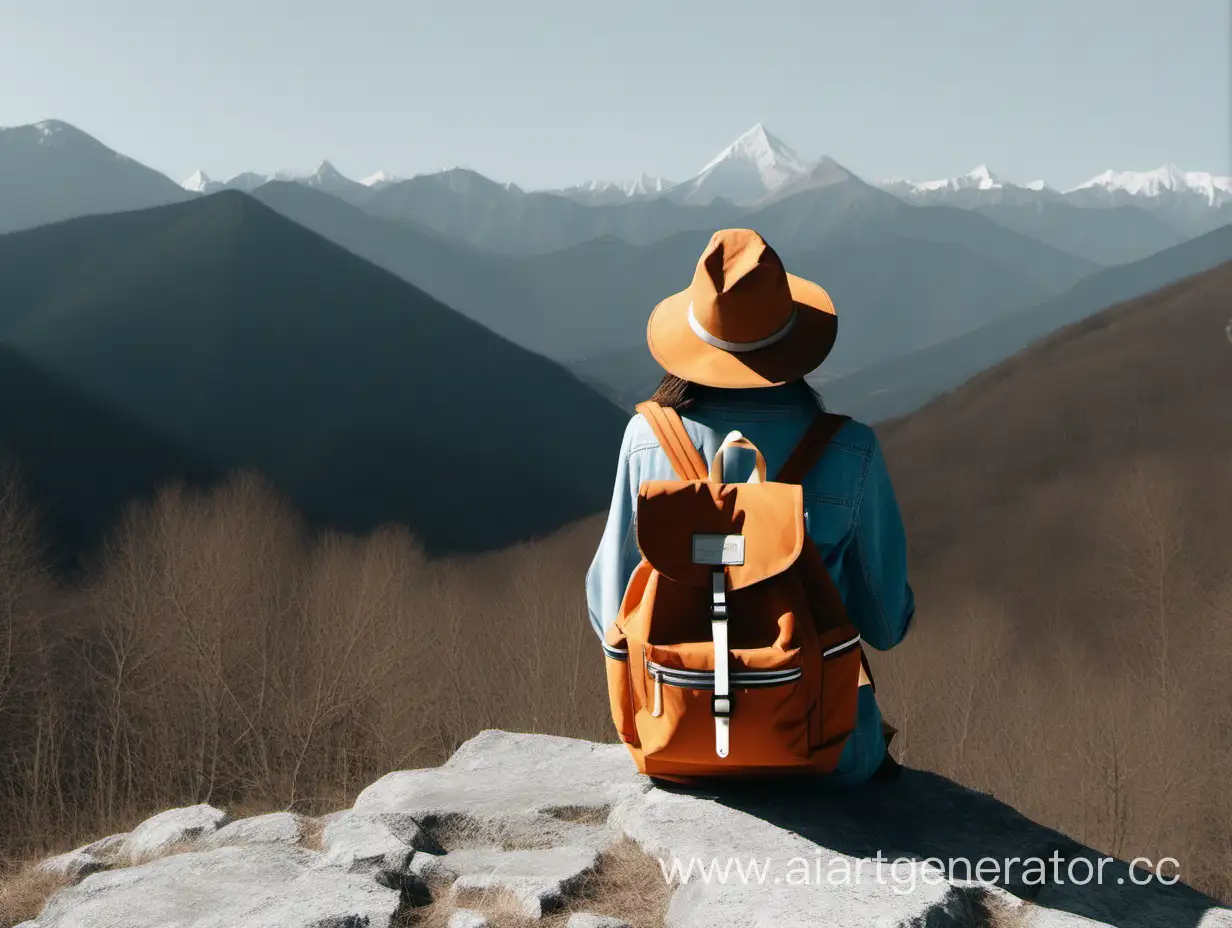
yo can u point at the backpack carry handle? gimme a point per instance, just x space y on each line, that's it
737 440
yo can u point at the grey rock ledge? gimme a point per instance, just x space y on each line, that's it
529 816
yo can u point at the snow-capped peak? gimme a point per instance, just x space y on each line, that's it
612 191
645 185
1167 178
380 179
983 178
749 169
327 172
197 181
329 179
769 153
978 178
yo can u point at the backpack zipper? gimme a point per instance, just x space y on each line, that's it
616 654
840 648
704 679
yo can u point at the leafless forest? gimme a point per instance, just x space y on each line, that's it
217 651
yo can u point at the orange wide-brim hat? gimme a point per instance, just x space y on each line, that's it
743 321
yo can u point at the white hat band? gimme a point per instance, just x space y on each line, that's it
700 331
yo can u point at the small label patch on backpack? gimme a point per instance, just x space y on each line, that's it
718 549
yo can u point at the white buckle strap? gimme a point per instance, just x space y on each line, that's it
721 701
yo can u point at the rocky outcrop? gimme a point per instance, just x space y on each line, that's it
274 828
519 790
173 828
71 867
537 880
523 821
465 918
259 886
367 843
107 848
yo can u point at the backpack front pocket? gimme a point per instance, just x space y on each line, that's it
765 714
619 693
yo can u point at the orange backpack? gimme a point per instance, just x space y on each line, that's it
732 653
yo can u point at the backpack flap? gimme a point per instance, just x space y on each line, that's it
687 530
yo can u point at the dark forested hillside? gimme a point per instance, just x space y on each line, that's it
252 342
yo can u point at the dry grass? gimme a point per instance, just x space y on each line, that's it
628 884
312 836
585 815
219 653
1002 912
23 893
455 831
140 859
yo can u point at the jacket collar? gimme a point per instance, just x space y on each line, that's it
791 398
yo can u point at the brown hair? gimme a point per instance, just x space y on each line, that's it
680 394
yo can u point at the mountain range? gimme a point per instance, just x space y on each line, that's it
912 266
902 384
899 291
1160 208
758 167
235 338
51 171
607 192
1181 204
290 323
326 178
1165 180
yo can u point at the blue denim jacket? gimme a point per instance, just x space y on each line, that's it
850 513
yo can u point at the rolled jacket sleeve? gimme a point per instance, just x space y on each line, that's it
618 554
880 599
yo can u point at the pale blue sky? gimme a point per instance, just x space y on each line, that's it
550 92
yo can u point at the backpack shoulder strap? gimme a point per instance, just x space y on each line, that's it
811 447
668 428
